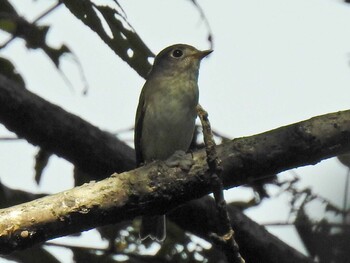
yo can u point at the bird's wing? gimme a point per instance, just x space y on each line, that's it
140 113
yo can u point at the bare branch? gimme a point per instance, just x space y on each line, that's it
200 217
157 188
59 132
225 237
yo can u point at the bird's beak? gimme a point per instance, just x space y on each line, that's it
202 54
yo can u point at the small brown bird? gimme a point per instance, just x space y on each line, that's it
166 114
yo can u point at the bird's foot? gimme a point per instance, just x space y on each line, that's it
181 159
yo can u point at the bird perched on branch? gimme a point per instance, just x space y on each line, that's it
166 114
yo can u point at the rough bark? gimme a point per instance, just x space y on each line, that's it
157 188
87 147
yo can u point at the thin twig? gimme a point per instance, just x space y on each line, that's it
41 16
206 21
225 237
10 139
7 42
123 130
346 192
343 226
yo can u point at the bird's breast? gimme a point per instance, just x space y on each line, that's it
169 121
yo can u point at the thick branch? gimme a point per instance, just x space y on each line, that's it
53 123
57 131
97 152
255 241
304 143
256 244
157 188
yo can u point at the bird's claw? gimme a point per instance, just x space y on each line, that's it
181 159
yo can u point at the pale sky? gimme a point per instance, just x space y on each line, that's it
274 63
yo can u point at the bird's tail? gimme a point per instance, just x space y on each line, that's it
153 227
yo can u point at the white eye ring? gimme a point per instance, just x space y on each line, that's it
177 53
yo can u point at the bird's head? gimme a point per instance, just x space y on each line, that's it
179 58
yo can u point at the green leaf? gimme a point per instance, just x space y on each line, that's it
8 25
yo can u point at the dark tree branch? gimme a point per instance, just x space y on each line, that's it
57 131
257 156
156 188
34 255
200 217
99 153
10 197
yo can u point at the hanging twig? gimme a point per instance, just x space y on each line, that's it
346 192
205 20
10 139
52 8
225 236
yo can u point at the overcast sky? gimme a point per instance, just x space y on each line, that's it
274 63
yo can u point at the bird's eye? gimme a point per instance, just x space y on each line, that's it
177 53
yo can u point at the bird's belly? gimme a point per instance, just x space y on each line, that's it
171 130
